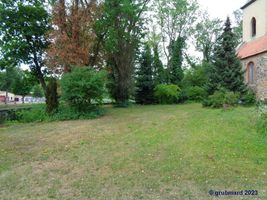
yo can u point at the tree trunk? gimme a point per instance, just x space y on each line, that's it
123 97
51 96
123 89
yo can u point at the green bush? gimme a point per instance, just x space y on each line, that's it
183 95
216 100
249 98
83 87
196 93
221 98
262 124
167 94
2 118
65 112
262 118
196 76
36 114
231 98
68 113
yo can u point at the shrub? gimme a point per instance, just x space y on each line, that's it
262 118
196 76
231 98
262 124
68 113
83 87
2 117
183 95
167 94
249 98
221 98
196 93
36 114
216 100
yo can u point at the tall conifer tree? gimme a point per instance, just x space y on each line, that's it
227 70
145 84
159 72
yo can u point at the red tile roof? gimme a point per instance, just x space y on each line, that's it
252 48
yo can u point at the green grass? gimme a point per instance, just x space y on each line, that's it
142 152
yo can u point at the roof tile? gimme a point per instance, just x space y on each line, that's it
252 48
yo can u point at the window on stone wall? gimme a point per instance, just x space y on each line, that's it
253 26
250 72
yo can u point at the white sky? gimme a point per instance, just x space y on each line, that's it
221 8
217 9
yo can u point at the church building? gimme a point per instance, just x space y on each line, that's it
253 50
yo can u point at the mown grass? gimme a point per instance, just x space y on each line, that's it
142 152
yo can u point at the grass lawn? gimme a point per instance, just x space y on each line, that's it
142 152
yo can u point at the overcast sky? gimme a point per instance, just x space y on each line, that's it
221 8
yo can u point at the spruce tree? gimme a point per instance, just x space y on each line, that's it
145 84
159 72
226 71
176 73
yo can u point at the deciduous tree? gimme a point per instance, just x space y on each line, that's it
175 19
207 32
121 27
74 41
23 27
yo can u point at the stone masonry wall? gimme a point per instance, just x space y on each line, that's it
260 74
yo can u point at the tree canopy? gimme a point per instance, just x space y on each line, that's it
23 28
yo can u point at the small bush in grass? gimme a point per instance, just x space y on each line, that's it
2 118
216 100
196 93
231 98
249 98
183 96
64 112
167 94
36 114
262 118
221 98
82 87
68 113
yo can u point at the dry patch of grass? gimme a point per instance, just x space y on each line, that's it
142 152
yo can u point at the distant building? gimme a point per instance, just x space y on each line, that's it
18 99
9 97
253 51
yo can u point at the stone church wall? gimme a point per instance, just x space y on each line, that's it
260 74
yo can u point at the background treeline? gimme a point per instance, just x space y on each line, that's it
20 82
85 51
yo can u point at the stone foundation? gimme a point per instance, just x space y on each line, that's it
260 74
